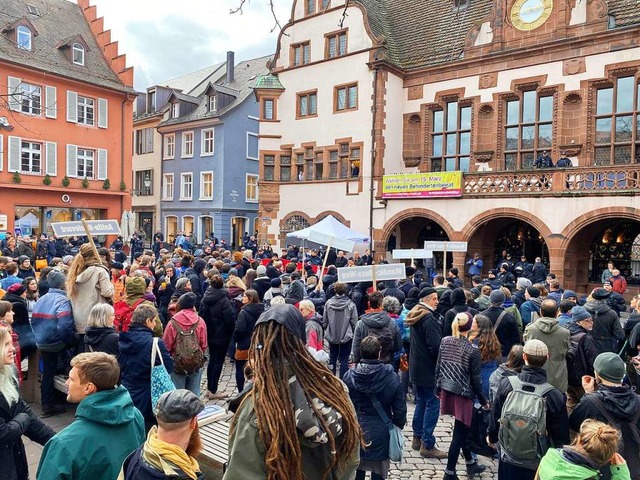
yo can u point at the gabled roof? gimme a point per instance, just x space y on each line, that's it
183 98
194 83
17 22
418 33
221 89
246 74
58 20
77 38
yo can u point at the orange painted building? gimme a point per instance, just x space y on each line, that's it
66 100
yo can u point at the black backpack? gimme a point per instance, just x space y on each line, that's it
576 363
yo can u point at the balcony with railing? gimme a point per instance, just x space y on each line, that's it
611 180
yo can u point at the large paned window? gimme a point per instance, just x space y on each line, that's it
86 108
207 142
451 138
301 54
528 129
144 141
268 111
336 44
30 157
285 168
23 37
617 138
252 188
346 97
167 186
85 163
269 167
169 145
308 104
186 186
187 145
206 185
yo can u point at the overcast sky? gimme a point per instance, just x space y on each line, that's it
164 39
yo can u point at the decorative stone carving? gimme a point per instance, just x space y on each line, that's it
572 149
415 92
486 109
573 66
622 72
483 157
572 98
488 80
411 162
599 7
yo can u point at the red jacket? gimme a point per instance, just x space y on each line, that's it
619 284
186 319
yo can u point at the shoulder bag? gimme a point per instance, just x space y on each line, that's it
396 438
160 379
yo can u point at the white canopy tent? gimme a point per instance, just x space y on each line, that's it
329 228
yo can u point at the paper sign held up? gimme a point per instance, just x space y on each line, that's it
448 246
400 254
96 227
391 271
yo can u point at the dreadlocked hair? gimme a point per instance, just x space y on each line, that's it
273 353
84 259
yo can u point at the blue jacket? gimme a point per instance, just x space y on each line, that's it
8 281
368 378
135 364
52 321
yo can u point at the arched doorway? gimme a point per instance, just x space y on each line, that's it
292 223
615 240
413 232
511 235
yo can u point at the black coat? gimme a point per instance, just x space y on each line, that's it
245 324
426 334
368 378
219 315
15 421
508 333
607 330
21 324
102 340
557 419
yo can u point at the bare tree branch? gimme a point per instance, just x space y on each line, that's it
240 7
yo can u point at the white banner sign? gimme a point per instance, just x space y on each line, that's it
448 246
96 227
391 271
412 253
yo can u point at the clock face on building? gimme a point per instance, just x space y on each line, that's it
528 15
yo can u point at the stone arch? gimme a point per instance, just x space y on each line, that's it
398 218
338 217
473 224
287 218
593 216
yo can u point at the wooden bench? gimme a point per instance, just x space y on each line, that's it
60 384
215 442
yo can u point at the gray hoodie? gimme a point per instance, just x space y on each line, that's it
378 320
339 319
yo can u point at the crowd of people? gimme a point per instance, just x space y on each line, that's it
529 372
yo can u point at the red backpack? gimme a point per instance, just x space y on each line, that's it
123 313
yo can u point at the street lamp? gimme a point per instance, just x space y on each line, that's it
146 186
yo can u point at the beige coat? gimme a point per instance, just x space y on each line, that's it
93 286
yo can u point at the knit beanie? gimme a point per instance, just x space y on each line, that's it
610 367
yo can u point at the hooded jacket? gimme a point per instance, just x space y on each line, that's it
377 320
587 350
607 330
261 285
103 339
459 302
557 339
93 286
339 319
186 319
135 365
567 464
369 378
247 452
425 338
107 429
218 315
527 309
52 321
622 403
245 324
507 332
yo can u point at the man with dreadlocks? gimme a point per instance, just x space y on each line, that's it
298 421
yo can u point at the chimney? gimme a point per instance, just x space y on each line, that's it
230 65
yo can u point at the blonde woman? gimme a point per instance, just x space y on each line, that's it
596 446
88 284
16 418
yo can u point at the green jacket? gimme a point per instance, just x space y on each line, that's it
558 340
554 466
107 428
247 453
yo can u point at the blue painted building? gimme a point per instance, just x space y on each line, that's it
210 157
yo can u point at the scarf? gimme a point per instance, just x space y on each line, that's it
168 457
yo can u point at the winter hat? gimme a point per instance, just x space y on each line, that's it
523 283
600 294
579 313
135 286
187 301
22 258
533 292
261 271
117 265
276 282
412 298
55 279
67 259
426 291
465 327
568 294
610 367
181 283
17 289
233 271
536 348
409 271
497 297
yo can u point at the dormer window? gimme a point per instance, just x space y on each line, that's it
213 103
175 110
23 37
78 54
